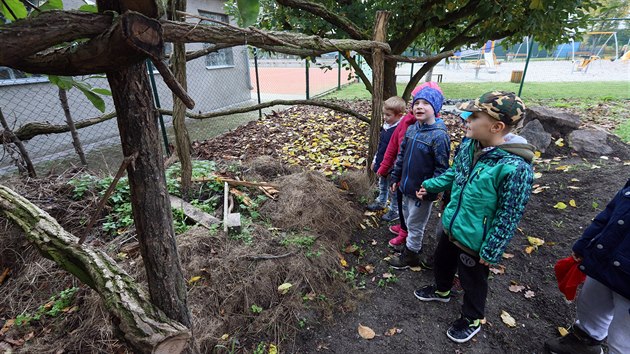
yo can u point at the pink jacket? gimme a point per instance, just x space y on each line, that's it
394 143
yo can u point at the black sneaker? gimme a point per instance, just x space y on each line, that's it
577 341
463 329
406 259
430 293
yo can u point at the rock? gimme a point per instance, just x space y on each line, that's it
536 135
596 143
553 120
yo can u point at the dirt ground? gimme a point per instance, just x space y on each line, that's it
423 325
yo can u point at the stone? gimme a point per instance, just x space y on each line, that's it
554 121
596 143
536 135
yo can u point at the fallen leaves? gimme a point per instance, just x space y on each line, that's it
572 203
392 331
4 275
563 331
560 206
366 332
508 319
516 288
194 279
529 294
284 288
497 269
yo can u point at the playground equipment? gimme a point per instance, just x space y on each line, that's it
512 56
590 50
487 58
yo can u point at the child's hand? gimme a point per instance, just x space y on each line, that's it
481 261
372 166
576 257
393 187
421 193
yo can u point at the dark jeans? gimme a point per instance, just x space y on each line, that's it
401 217
473 276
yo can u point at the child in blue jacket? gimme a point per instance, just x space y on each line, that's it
603 305
424 154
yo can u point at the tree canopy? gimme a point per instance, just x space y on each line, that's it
430 26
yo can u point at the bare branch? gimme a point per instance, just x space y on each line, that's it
359 72
334 19
319 103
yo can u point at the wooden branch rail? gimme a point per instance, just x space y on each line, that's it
31 130
145 327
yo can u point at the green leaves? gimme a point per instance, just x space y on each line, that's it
52 5
248 11
88 8
92 94
13 10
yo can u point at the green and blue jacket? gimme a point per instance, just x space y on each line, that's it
490 188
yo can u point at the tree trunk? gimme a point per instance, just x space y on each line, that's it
63 97
378 61
182 140
416 78
137 123
145 327
389 72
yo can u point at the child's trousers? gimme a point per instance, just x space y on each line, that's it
384 193
473 276
602 312
416 214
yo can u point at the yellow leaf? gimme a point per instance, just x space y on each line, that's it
284 288
508 255
535 241
563 168
560 142
560 205
529 249
563 331
537 154
273 349
508 319
225 336
572 203
537 175
343 262
415 269
194 279
366 332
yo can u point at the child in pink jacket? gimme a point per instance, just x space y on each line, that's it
388 164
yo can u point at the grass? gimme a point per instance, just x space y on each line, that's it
615 90
623 131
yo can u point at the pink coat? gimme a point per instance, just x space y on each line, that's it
399 133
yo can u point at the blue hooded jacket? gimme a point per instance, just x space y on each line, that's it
424 154
605 245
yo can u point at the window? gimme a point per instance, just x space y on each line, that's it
223 57
10 76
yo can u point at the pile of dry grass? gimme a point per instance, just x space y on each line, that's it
358 184
267 168
32 282
236 273
309 201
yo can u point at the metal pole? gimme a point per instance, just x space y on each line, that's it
307 83
338 71
413 54
257 80
156 97
529 54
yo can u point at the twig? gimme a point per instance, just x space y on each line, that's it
267 256
15 140
101 203
33 6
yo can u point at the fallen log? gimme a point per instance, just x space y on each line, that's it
145 328
202 218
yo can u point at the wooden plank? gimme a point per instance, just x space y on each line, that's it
202 218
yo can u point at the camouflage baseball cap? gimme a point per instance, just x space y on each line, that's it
503 106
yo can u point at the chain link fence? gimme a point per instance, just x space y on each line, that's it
229 78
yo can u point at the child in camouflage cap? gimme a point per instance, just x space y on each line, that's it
491 179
